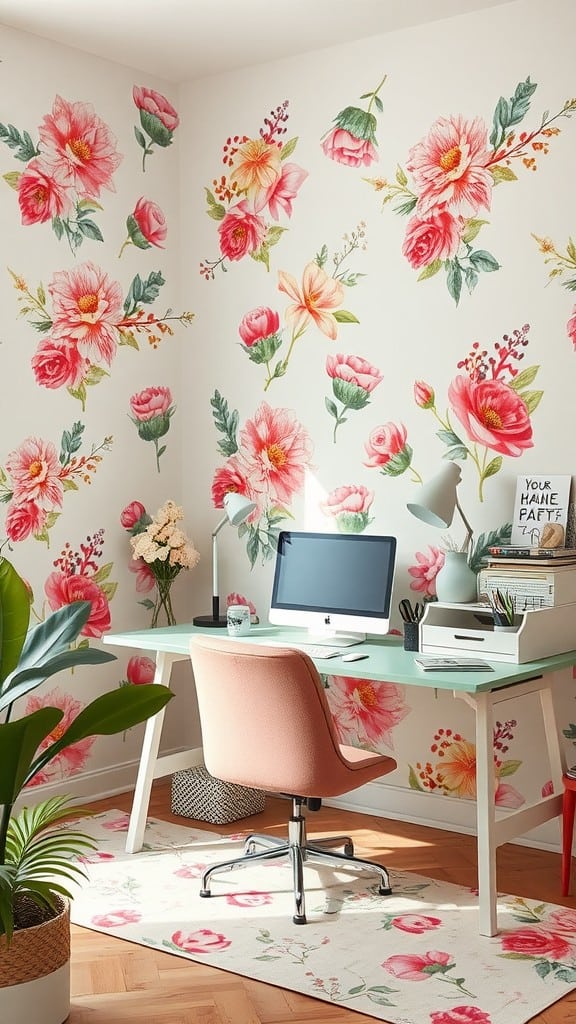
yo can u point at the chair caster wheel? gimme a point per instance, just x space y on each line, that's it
349 850
299 919
205 893
382 891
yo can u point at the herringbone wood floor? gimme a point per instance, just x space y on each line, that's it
116 982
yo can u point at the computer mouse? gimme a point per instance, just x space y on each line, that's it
354 657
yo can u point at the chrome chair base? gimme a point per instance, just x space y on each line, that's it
299 851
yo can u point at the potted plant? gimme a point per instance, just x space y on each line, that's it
36 853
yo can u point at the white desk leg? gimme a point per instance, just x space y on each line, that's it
148 757
485 815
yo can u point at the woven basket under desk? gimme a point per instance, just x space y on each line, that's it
197 794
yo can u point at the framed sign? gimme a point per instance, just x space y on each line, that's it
541 511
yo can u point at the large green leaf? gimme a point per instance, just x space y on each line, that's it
22 682
19 741
14 617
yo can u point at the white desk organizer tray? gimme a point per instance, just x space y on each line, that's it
469 629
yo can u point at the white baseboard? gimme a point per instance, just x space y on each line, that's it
377 798
86 787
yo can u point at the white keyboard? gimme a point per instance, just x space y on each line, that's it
318 651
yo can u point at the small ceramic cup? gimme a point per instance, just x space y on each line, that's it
238 619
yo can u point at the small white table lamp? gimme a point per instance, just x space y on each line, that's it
435 504
237 508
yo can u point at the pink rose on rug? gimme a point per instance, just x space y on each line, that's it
191 871
532 942
96 857
563 920
493 414
249 899
116 919
202 941
460 1015
415 923
119 824
414 967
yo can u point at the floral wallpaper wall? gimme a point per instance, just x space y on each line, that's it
378 237
310 281
92 327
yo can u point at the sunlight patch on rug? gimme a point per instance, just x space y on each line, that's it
411 958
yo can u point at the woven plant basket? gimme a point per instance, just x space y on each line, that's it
35 970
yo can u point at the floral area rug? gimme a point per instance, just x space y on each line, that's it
411 958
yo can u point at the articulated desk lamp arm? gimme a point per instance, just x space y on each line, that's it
237 508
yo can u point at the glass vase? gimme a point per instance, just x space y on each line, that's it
163 604
456 582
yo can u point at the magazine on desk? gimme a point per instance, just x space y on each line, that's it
432 663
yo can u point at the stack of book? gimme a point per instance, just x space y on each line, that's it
535 577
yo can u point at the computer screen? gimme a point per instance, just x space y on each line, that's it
337 585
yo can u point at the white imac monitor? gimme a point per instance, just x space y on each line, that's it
337 585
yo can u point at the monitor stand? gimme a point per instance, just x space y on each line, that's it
333 638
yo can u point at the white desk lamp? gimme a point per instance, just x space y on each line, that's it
435 504
237 508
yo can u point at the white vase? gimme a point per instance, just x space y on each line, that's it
456 583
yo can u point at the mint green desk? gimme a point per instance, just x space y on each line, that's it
387 662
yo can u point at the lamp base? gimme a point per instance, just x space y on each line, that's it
209 622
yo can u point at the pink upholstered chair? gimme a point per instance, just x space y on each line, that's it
266 724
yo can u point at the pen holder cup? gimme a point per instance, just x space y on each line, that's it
411 636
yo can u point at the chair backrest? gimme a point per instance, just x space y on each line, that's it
265 719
